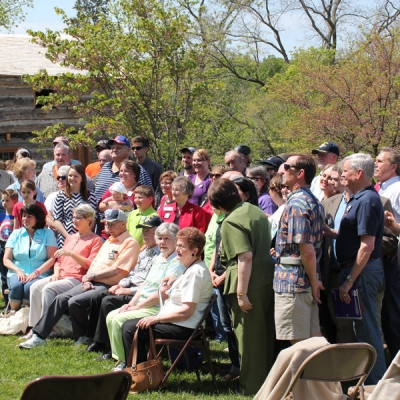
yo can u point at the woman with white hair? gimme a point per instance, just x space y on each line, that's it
146 300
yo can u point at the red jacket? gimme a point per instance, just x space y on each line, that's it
191 215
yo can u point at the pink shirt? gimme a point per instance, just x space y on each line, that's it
87 247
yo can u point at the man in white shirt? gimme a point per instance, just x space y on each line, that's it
387 171
327 153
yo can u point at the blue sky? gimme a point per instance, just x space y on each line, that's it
43 16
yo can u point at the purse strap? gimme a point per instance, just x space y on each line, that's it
132 359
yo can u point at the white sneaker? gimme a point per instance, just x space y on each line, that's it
34 341
84 340
119 367
27 336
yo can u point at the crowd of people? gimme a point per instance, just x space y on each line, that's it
122 245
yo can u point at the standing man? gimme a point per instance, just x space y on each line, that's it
327 153
235 161
358 249
187 162
272 165
140 147
47 179
59 139
113 262
387 171
120 151
245 152
94 168
298 250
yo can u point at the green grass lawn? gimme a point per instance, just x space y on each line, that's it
61 357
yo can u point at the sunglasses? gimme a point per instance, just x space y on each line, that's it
215 176
288 166
253 178
62 178
137 147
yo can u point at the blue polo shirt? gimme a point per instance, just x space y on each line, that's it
363 216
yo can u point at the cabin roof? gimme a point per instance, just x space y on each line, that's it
19 56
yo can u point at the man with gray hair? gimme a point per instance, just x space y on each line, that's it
387 171
235 161
47 179
358 249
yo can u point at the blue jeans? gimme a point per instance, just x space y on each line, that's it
19 291
225 313
216 320
369 283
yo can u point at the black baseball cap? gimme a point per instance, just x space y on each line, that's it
327 147
151 222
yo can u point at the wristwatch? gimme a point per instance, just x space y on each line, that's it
92 276
350 279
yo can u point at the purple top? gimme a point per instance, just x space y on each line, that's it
199 190
266 204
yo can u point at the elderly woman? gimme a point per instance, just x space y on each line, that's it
201 180
188 298
146 300
73 261
181 212
245 240
260 177
29 254
24 169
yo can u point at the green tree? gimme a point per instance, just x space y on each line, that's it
12 12
354 102
134 75
90 8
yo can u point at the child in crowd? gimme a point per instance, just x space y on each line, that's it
119 199
28 193
144 198
9 198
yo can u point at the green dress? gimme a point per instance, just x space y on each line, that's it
246 228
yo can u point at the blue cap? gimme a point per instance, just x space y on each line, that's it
120 140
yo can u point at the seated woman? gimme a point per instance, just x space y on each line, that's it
182 212
188 298
29 254
73 261
146 300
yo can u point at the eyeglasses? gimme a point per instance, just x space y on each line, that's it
62 178
76 218
288 166
215 176
271 169
137 147
111 224
165 183
253 178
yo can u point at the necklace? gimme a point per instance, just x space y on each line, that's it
194 262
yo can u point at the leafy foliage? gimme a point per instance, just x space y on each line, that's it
11 12
135 74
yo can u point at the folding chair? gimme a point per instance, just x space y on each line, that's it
110 386
198 338
337 363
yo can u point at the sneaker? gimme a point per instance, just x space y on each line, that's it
84 340
27 336
34 341
119 367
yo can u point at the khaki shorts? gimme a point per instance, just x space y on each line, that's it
296 316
